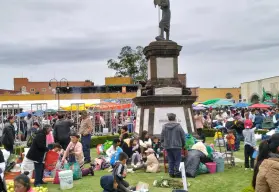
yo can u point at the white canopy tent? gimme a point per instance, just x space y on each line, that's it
51 104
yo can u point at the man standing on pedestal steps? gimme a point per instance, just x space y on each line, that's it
173 140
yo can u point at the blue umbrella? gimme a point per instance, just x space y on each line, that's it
241 105
39 113
23 114
223 103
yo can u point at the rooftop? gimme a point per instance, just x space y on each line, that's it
261 79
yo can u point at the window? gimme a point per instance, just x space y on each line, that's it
43 89
32 90
229 96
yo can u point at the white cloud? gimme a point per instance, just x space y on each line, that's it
224 42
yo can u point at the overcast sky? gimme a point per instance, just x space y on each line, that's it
225 42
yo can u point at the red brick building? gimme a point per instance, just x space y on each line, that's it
7 91
23 84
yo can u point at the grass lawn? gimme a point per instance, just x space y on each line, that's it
232 180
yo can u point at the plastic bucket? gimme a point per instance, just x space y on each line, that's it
66 179
211 167
220 165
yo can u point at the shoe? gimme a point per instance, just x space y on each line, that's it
91 171
133 165
246 169
87 161
130 171
172 175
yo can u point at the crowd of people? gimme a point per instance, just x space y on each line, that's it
143 152
241 124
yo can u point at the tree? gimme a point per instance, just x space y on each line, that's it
131 63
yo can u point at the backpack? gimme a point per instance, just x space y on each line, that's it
30 140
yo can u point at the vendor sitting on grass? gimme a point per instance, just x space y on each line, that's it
151 165
74 153
114 151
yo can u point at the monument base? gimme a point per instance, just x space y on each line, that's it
152 113
163 92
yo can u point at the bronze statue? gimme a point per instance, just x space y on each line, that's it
164 24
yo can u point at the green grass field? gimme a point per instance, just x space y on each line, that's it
232 180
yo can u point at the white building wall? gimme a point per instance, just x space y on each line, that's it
271 85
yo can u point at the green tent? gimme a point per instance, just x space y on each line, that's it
210 101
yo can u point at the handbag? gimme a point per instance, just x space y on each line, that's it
72 157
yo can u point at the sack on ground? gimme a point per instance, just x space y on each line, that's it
27 165
77 174
192 162
202 169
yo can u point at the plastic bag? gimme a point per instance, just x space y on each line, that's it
142 186
77 174
100 149
190 141
255 154
27 165
56 179
11 162
202 169
217 155
209 151
107 145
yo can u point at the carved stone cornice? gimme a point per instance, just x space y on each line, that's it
162 49
174 100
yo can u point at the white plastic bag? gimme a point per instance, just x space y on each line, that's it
6 154
27 165
142 187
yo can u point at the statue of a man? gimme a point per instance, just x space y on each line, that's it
164 24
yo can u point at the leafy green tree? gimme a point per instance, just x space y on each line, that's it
131 63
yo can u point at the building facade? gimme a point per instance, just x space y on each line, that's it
253 91
114 88
221 93
24 85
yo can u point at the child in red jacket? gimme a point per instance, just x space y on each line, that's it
248 124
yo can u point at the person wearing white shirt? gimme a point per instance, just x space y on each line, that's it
252 115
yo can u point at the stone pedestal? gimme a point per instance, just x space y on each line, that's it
163 93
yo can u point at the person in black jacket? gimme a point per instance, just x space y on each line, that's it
8 137
37 153
119 174
62 129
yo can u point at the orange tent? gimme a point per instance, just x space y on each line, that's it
113 106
